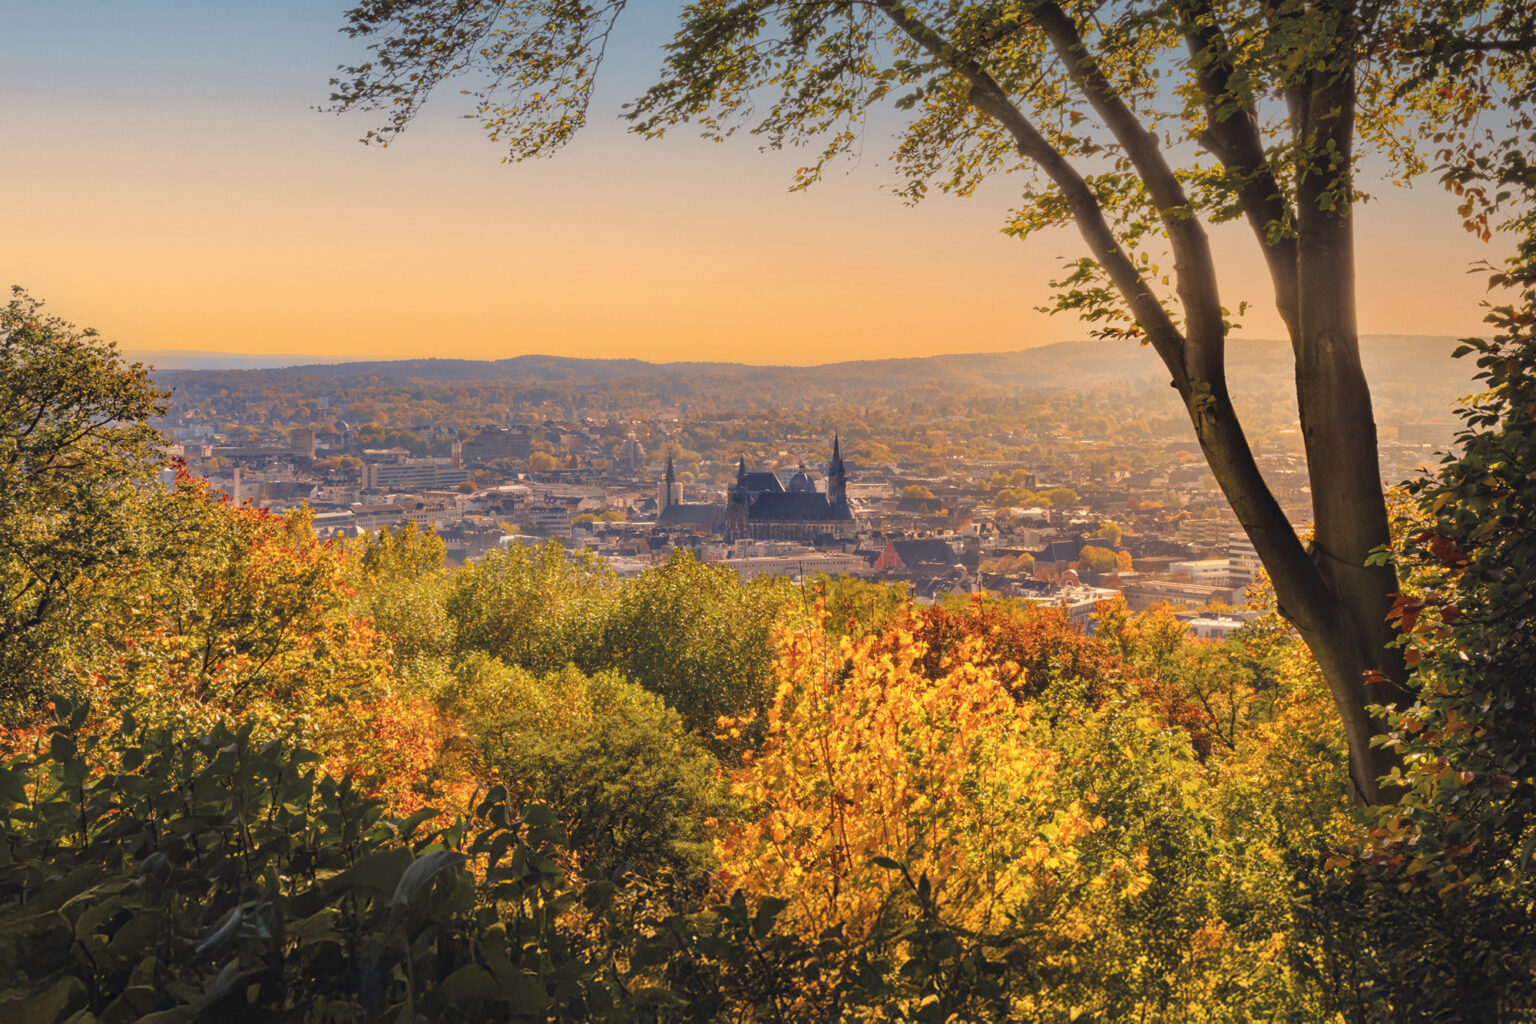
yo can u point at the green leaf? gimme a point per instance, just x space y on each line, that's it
768 911
136 936
228 982
317 927
409 825
133 1004
54 1003
524 992
469 984
223 934
651 952
539 816
176 1015
61 746
422 871
13 787
654 997
380 871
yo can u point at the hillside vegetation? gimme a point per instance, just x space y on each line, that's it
252 776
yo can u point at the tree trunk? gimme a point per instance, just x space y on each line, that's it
1308 598
1336 602
1339 431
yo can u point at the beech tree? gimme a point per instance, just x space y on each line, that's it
1143 123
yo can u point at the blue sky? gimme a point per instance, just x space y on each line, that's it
172 184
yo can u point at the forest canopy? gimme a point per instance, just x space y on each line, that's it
258 773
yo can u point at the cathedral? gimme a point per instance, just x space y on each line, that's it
760 507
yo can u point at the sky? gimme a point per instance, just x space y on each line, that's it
169 181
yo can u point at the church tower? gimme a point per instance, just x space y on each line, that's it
670 494
736 504
738 492
837 477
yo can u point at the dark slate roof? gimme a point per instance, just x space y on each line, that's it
924 505
762 481
799 507
690 515
1060 551
918 552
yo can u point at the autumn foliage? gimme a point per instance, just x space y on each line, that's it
953 820
239 614
876 773
248 773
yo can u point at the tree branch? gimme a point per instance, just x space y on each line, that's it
1197 287
1221 436
988 97
1232 136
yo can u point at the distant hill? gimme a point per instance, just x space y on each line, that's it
193 359
1418 361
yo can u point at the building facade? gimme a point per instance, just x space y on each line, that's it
413 474
760 508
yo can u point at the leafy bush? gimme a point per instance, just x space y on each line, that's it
193 876
238 614
867 759
75 444
1028 647
402 586
971 851
855 607
234 610
635 790
538 608
697 636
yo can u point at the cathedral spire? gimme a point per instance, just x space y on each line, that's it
669 487
837 476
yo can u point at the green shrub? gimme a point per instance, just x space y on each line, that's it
534 607
403 587
635 790
697 636
197 877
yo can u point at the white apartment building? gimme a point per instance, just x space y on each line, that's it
1206 571
1242 560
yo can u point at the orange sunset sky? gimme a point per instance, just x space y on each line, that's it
168 181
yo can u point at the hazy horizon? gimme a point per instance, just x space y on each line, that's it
183 193
174 360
